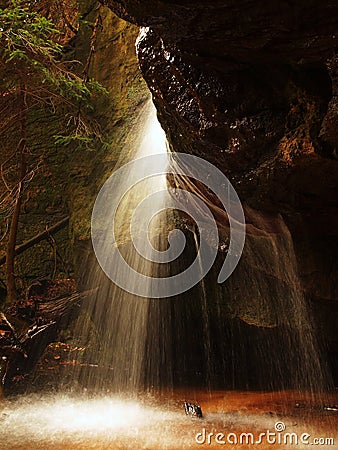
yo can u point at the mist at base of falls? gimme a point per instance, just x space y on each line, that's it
252 332
71 422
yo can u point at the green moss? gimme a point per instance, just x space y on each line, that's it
67 179
114 64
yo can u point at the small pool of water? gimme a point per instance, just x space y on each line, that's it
232 420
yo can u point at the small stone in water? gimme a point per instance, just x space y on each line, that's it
193 410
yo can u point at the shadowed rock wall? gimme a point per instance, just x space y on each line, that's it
252 87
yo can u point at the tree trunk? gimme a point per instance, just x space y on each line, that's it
22 147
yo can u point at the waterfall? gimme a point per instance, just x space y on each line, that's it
270 340
253 331
113 326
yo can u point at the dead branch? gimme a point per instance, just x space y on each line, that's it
38 238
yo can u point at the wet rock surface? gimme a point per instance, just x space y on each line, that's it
251 86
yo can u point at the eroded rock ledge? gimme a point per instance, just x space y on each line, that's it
252 87
249 85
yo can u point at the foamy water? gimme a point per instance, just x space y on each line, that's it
40 422
75 422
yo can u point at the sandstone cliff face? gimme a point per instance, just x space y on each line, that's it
252 87
69 177
249 85
106 44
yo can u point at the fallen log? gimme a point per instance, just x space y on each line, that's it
21 350
38 238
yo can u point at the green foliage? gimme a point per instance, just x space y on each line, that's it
31 59
66 140
25 40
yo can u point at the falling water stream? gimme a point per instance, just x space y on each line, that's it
117 326
143 357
